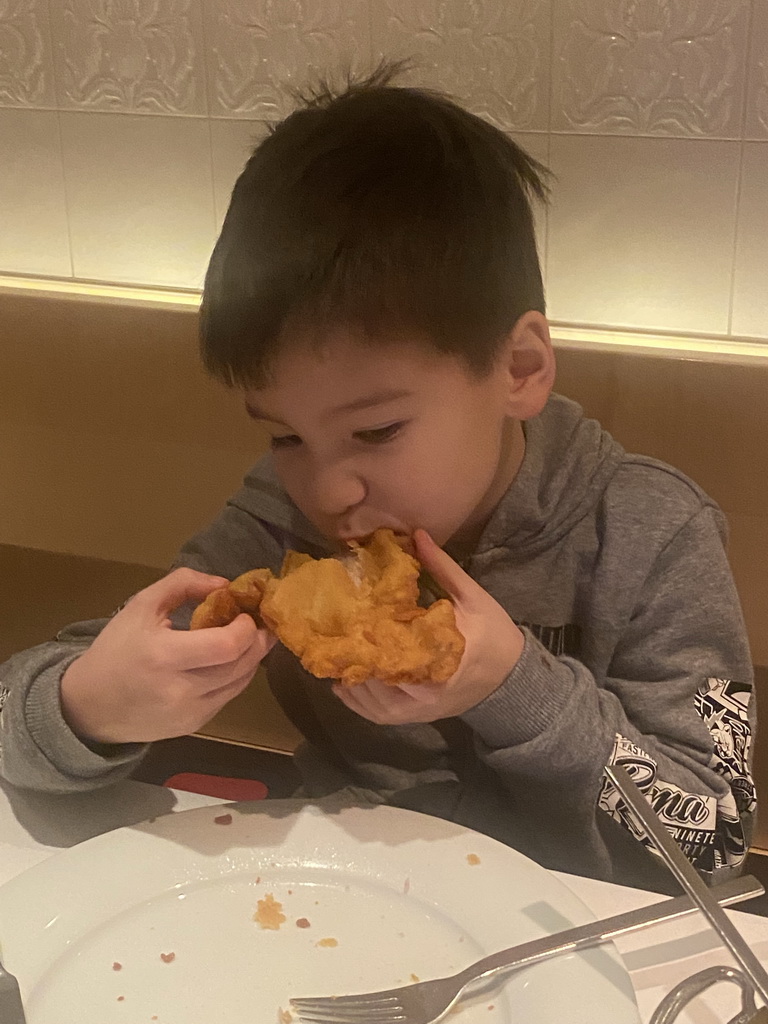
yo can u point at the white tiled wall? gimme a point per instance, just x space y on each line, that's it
124 123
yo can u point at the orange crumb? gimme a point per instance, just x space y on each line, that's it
117 966
284 1016
167 958
327 942
269 914
415 977
472 858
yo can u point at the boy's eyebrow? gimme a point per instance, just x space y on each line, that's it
365 402
256 414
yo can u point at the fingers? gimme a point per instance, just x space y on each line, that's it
239 642
258 647
424 693
382 704
365 702
446 572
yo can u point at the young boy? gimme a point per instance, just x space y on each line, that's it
376 296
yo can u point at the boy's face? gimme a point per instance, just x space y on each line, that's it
398 435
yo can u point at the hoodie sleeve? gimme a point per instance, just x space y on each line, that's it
38 750
676 708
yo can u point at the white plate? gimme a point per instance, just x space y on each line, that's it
402 894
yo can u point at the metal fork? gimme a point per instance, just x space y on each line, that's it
429 1001
690 880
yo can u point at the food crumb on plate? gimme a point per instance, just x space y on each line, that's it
491 1006
223 819
407 886
284 1016
269 914
167 958
120 999
472 858
117 966
328 943
415 977
302 922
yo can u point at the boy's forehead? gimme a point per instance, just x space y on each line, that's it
346 374
348 363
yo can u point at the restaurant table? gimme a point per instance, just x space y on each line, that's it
35 826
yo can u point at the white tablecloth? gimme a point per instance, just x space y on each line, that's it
34 827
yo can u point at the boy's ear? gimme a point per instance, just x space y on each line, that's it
530 365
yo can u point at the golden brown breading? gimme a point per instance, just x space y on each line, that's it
350 619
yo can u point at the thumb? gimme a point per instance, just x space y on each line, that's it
174 589
446 572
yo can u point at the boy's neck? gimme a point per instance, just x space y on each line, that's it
464 542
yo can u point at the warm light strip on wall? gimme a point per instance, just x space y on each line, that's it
703 348
711 348
85 291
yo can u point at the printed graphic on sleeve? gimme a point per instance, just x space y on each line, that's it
708 829
723 704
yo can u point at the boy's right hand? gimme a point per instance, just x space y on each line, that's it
141 680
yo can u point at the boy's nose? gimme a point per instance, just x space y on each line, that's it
336 490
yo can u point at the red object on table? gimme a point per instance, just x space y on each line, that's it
218 785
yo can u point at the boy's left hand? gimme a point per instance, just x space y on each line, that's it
493 646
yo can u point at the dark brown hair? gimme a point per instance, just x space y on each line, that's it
385 209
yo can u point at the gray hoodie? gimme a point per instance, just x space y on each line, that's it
635 653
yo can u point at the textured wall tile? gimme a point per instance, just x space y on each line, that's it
492 55
750 298
143 56
140 197
650 67
641 232
258 47
757 100
26 70
232 142
33 236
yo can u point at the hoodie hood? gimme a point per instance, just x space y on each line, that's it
569 461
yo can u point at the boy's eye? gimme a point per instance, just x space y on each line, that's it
285 441
379 435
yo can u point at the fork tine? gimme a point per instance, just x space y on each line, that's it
349 1020
355 1003
359 1016
348 1013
